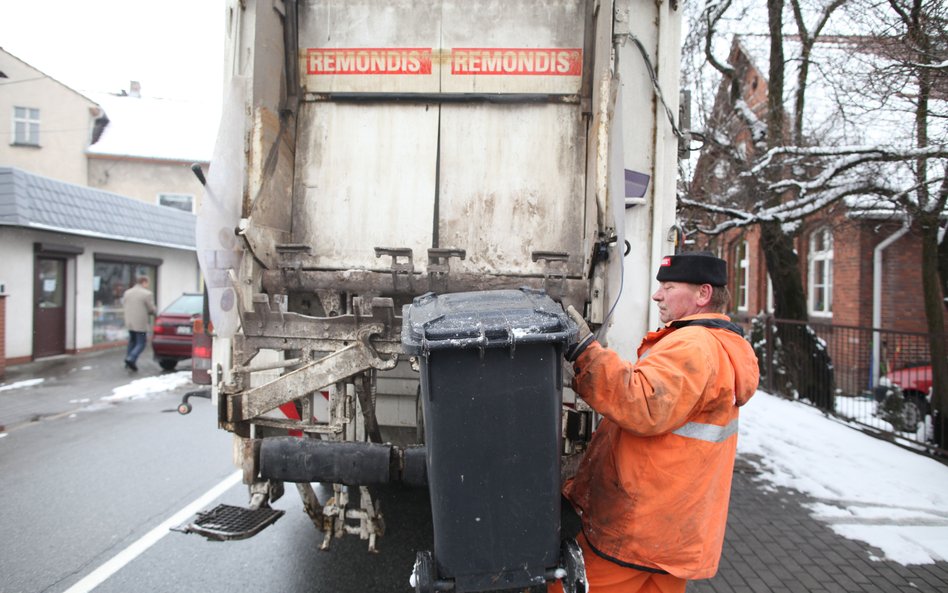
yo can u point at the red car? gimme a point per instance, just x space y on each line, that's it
173 333
915 383
916 380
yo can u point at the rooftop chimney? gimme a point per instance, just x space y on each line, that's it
135 89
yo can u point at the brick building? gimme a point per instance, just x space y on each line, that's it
860 267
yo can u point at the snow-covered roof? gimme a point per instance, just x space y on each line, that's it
33 201
161 129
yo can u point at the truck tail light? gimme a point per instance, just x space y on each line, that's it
201 349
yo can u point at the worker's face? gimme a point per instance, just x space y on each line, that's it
677 299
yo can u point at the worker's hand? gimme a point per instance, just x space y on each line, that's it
583 337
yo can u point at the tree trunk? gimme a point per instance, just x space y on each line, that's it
805 364
942 251
935 317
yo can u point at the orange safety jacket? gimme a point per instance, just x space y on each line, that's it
654 485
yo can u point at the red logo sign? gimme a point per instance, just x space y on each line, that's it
512 61
666 261
368 60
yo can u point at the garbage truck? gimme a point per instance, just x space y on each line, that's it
403 198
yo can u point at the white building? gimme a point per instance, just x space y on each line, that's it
94 190
69 252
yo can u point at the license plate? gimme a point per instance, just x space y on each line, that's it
184 330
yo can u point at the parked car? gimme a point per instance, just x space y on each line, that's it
173 332
915 384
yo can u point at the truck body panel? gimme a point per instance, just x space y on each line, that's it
372 151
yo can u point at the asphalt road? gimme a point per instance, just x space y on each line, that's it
82 491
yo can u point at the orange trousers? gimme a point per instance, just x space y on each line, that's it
604 576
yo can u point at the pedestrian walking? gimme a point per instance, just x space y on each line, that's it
139 305
652 490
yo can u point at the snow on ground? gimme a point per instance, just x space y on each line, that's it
148 385
867 489
21 384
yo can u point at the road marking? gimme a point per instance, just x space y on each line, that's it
117 562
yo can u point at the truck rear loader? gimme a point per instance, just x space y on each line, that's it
378 158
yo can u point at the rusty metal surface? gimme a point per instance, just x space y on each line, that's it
568 290
337 366
523 192
459 46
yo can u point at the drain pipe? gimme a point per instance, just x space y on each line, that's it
877 296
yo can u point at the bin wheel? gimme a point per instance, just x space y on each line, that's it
184 408
572 558
419 418
423 577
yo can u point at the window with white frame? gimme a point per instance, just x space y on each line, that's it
742 276
180 201
26 126
820 277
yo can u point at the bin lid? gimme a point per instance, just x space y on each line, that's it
484 319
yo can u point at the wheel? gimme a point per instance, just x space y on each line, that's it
915 409
572 559
419 419
184 408
423 576
167 364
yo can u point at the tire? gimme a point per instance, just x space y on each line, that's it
571 556
916 408
419 419
423 576
167 364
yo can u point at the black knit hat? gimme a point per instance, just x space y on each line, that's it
697 267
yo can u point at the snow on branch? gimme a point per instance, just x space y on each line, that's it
757 127
870 195
943 65
880 153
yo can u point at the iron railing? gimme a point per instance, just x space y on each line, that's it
880 379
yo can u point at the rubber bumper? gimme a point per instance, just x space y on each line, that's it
292 459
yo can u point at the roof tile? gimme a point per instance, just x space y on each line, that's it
30 200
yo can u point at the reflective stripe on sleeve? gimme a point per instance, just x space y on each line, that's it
707 432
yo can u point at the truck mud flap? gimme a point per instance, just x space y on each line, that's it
225 522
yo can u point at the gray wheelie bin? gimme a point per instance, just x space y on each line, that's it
491 389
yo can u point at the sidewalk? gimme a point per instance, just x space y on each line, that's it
772 545
62 384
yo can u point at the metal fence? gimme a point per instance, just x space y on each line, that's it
880 379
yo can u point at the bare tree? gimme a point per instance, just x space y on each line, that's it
776 172
754 190
912 38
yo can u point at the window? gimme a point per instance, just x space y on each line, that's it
820 277
180 201
110 280
26 126
741 276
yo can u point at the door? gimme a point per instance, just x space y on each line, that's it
49 314
443 124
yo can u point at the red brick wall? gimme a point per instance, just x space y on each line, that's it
853 242
903 307
852 275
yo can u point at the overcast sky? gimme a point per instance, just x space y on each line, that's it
174 48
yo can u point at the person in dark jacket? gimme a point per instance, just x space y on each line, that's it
139 305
